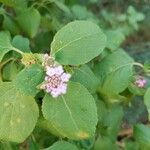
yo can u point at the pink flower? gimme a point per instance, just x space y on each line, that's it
55 81
48 61
140 82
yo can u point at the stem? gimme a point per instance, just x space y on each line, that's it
138 64
1 79
46 8
34 4
33 138
17 50
48 2
5 62
41 4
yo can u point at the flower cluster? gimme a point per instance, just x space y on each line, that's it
140 82
56 79
48 61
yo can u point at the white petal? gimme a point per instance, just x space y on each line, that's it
63 88
59 70
50 71
65 77
54 93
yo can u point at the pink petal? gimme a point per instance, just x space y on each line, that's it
59 70
50 71
140 82
63 88
65 77
144 81
55 93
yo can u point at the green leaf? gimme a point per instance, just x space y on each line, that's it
104 144
5 44
142 135
77 43
110 119
136 90
113 121
93 1
62 7
115 72
147 100
48 126
133 17
131 145
8 146
29 78
15 3
10 70
147 65
29 20
62 145
10 25
86 77
18 114
81 13
101 110
42 41
73 115
21 43
86 144
114 39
